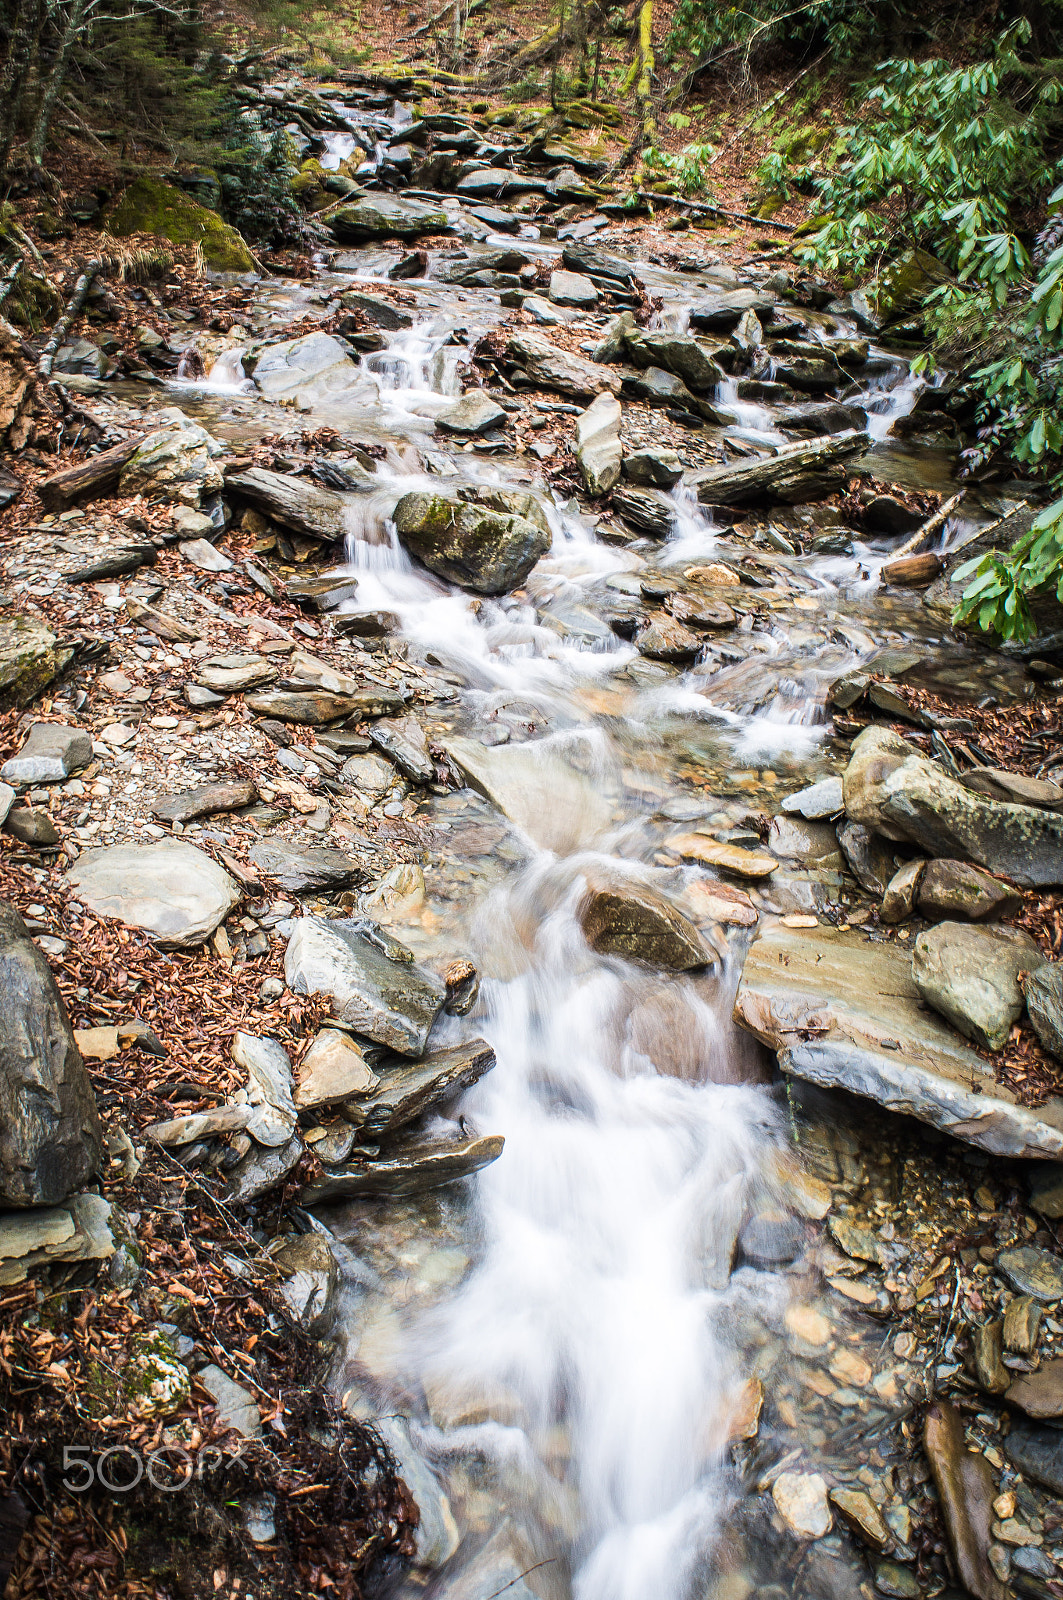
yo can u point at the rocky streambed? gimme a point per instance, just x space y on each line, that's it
512 826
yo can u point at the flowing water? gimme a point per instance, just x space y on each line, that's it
564 1334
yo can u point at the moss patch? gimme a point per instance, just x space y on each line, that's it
151 206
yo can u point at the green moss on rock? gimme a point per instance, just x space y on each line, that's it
151 206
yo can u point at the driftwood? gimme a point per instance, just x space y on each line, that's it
66 321
703 207
795 475
89 478
929 527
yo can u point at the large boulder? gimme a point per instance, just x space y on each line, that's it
381 216
477 547
892 789
152 206
30 657
971 975
170 889
844 1011
50 1138
315 365
900 288
634 921
680 353
598 451
178 462
546 366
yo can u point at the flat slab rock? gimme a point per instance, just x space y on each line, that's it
384 996
428 1164
844 1012
170 889
299 868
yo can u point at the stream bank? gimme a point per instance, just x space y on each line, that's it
460 768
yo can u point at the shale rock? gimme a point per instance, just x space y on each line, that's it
637 923
170 889
178 462
970 975
488 551
598 451
375 984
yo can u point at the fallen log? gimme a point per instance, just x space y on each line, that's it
304 507
88 479
929 527
66 321
912 572
705 208
795 475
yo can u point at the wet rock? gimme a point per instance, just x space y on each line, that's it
728 857
308 1282
771 1238
1022 1322
234 1406
707 614
404 741
1037 1452
379 312
662 638
859 1243
178 462
646 510
30 657
955 888
844 1012
379 990
51 752
987 1350
406 1169
549 367
966 1490
572 289
297 503
436 1534
870 862
232 674
636 923
598 452
490 552
653 467
300 868
794 475
541 788
269 1088
970 974
1033 1272
669 393
891 788
898 901
315 365
205 801
801 1501
379 216
332 1070
820 800
405 1092
463 987
474 413
262 1170
50 1137
812 844
679 353
1044 1002
817 418
313 708
170 889
1040 1394
863 1516
721 312
508 1562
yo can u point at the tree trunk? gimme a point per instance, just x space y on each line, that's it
644 83
22 47
53 84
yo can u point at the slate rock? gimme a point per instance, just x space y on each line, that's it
1037 1452
680 353
818 801
572 289
379 216
635 922
898 901
301 868
233 674
315 707
403 740
269 1088
653 467
488 551
30 825
598 452
205 801
474 413
51 752
235 1407
1044 1002
955 888
170 889
50 1138
407 1091
333 1070
970 974
405 1169
375 984
309 1281
178 462
871 863
262 1169
1033 1272
549 367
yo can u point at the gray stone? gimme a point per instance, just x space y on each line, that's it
233 674
407 1091
820 800
844 1012
392 1001
235 1407
955 888
549 367
1044 1002
546 315
970 975
488 551
1014 787
893 789
653 467
50 753
170 889
332 1070
612 346
633 921
794 475
31 826
202 554
508 1560
30 657
7 800
405 1169
572 289
269 1088
475 412
309 1281
376 310
50 1137
86 359
645 509
898 902
813 844
1033 1272
541 788
404 741
301 868
720 312
317 365
178 1131
869 860
1037 1452
598 452
379 216
314 707
680 353
204 801
298 504
436 1536
178 462
261 1170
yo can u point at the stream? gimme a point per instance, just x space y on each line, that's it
559 1351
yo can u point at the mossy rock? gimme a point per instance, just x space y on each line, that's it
151 206
30 657
901 287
